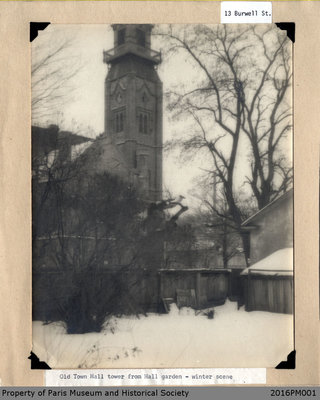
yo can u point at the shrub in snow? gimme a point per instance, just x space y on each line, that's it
89 304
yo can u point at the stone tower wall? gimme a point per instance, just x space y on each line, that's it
133 116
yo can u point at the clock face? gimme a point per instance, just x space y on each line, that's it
119 98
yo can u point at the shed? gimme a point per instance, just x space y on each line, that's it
194 287
268 284
271 228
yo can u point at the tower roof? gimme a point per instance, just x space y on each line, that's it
132 39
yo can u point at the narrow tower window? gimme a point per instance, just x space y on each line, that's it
121 36
142 161
145 124
118 121
135 163
121 122
149 179
141 37
140 123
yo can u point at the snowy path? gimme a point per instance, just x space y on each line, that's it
234 338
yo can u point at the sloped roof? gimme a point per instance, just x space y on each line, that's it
103 156
51 137
278 263
45 140
268 207
72 138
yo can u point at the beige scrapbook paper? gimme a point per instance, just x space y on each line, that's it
15 197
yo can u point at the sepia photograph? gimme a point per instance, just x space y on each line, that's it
162 196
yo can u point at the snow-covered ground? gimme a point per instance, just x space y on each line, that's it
182 338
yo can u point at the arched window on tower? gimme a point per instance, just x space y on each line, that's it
118 121
121 122
145 124
142 162
121 36
141 123
141 37
149 179
135 163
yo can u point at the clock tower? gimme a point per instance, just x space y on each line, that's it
133 105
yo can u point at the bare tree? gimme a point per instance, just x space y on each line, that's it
180 247
268 115
88 224
91 233
241 91
54 66
215 224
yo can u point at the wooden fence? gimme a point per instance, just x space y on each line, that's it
273 293
136 290
210 287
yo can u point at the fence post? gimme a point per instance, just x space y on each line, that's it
159 290
198 289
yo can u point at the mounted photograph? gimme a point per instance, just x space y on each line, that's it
162 196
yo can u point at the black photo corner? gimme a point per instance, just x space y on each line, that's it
290 27
290 363
35 27
110 244
36 363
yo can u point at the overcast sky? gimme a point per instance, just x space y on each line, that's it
84 112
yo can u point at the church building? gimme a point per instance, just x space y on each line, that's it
131 145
